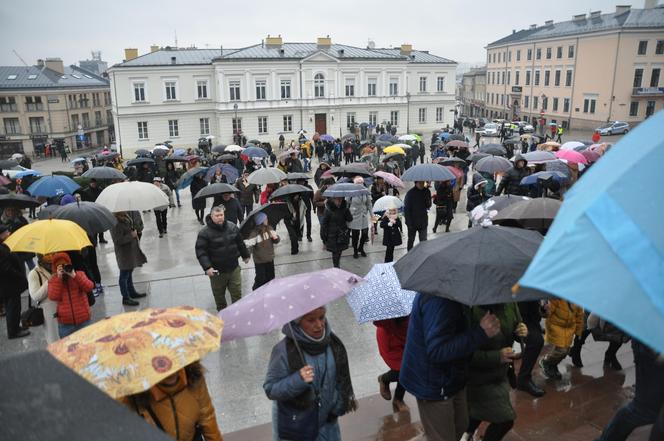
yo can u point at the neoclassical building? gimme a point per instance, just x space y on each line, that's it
274 88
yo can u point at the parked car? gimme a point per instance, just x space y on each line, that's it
527 128
613 128
482 122
490 129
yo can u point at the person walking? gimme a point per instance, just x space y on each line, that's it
559 133
161 213
281 141
197 184
596 137
261 243
38 289
218 247
601 331
391 337
392 232
14 282
563 321
294 220
249 193
444 202
416 205
307 199
334 228
360 209
233 211
319 199
309 369
171 180
476 194
511 181
534 342
128 255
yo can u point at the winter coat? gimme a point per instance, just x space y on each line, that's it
197 185
171 178
319 172
563 321
70 293
511 181
90 194
439 344
415 206
219 246
333 228
38 279
249 193
261 243
391 336
360 209
475 197
233 210
12 274
319 202
378 192
391 233
128 252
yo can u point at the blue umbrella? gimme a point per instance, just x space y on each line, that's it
444 135
51 186
185 179
24 173
381 297
544 175
228 171
559 166
328 138
254 152
428 172
605 250
345 191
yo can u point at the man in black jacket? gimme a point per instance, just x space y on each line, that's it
416 205
530 313
511 181
232 208
14 282
218 246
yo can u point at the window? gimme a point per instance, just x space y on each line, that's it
493 78
654 77
538 53
565 105
545 103
204 124
423 84
529 55
526 100
568 78
439 114
260 89
559 52
527 78
650 108
509 56
109 117
12 126
494 57
548 53
509 74
8 104
107 98
570 52
98 121
37 125
234 88
643 47
555 105
634 108
142 130
373 118
170 90
75 122
202 89
499 54
350 119
237 125
33 103
262 125
394 116
350 87
502 99
394 86
319 86
288 123
285 89
638 77
516 77
518 55
95 100
422 115
86 120
547 77
659 47
556 78
589 105
173 128
440 84
83 100
371 86
537 78
535 102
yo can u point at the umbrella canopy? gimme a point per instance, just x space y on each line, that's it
288 190
390 179
451 161
91 216
591 155
475 157
109 173
539 157
176 158
444 136
383 143
228 171
286 153
228 157
139 162
24 173
351 170
394 149
79 159
387 137
534 214
493 149
345 190
493 165
484 213
544 176
427 172
128 353
383 203
7 164
296 176
47 212
160 151
264 176
234 148
218 148
132 196
571 145
275 212
188 176
254 141
391 156
348 136
381 297
550 145
326 137
457 137
559 166
17 156
51 186
458 174
18 201
62 406
48 236
487 262
610 227
458 144
571 156
215 189
407 138
402 145
254 152
142 152
282 300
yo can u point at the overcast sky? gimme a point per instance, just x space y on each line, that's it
456 29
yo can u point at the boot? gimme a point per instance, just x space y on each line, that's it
550 372
355 254
399 406
384 389
575 352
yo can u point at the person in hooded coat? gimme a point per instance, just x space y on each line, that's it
391 337
476 194
360 209
197 184
392 232
128 255
511 181
334 228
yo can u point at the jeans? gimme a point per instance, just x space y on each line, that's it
534 343
231 280
246 209
264 273
306 164
65 330
421 231
126 283
177 196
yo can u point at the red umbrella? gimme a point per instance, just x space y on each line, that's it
591 155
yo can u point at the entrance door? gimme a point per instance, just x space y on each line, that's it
321 123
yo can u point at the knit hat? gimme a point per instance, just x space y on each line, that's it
59 259
260 218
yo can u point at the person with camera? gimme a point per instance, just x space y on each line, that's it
38 279
69 288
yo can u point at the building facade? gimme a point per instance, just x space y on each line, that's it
473 93
583 72
49 101
276 88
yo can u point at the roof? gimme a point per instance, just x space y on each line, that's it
475 72
299 51
418 56
39 77
631 19
182 57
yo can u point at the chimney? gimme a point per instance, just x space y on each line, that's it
513 31
55 64
595 14
154 48
621 9
324 42
579 17
341 52
406 49
548 23
130 54
40 63
173 60
533 26
274 42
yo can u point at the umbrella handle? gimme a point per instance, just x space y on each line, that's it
297 345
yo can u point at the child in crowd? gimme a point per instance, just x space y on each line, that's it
261 244
392 230
563 321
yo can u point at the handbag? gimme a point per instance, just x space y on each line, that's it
33 316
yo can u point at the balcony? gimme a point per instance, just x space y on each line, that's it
34 107
648 91
8 108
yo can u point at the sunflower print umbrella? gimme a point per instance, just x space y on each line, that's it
129 353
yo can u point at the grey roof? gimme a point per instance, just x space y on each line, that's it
303 50
418 56
632 19
182 57
36 77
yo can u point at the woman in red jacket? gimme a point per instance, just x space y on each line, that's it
69 290
391 336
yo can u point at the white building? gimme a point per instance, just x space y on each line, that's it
276 87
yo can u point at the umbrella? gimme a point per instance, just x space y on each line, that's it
543 176
128 353
104 173
62 406
188 176
161 147
351 170
493 149
345 190
7 164
390 179
142 152
407 138
394 149
327 175
457 137
381 297
610 227
139 161
215 189
264 176
132 196
275 212
176 158
47 212
475 157
601 148
571 156
24 173
282 300
550 145
4 181
233 148
391 156
403 146
289 189
493 165
452 161
254 141
228 171
348 136
457 143
535 214
91 216
48 236
160 152
254 152
17 156
444 136
328 138
287 153
383 143
559 166
386 137
296 176
106 156
571 145
218 148
484 263
227 157
18 201
458 174
484 213
383 203
427 172
539 157
51 186
591 155
75 160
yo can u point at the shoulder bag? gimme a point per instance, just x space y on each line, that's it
34 315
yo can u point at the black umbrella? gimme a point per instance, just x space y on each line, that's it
215 189
535 214
218 148
457 137
391 156
142 152
351 170
348 136
227 157
48 212
188 176
7 164
493 164
254 141
275 212
498 203
346 190
61 405
295 176
288 190
475 157
104 173
482 265
139 161
92 217
106 156
427 172
176 159
18 201
493 149
453 161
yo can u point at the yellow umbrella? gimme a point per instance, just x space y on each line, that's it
129 353
48 236
394 149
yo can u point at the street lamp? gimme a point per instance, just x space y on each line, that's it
235 128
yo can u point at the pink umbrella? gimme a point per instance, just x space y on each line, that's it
327 175
571 156
390 179
591 155
599 148
458 174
